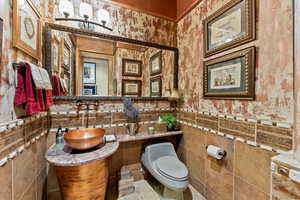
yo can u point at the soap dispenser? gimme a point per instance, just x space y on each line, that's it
59 138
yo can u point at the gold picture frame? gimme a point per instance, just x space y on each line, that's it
27 28
55 54
230 26
231 76
156 64
156 87
131 88
1 40
132 67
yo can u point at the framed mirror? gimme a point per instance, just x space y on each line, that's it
94 64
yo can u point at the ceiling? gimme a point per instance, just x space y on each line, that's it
169 9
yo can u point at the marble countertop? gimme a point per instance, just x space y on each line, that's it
145 136
69 157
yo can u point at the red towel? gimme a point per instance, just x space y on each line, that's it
35 100
48 98
40 99
32 104
20 96
56 86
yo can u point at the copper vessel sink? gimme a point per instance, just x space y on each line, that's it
83 139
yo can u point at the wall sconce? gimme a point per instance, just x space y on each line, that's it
86 12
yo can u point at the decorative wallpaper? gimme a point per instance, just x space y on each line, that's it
126 23
274 67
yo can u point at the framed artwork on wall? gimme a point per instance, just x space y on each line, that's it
27 28
230 26
156 64
131 87
131 67
89 72
55 53
1 38
155 87
66 56
231 76
90 90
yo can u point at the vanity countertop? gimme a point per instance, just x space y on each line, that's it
144 136
69 157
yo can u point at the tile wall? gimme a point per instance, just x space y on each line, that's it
23 168
245 172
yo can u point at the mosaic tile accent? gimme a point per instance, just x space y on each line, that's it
260 133
237 128
207 121
281 138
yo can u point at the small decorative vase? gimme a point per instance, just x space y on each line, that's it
132 128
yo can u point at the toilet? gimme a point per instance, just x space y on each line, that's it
162 162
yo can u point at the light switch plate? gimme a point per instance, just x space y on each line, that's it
295 175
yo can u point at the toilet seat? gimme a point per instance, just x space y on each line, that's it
171 168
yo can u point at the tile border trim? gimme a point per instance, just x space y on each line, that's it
239 118
231 137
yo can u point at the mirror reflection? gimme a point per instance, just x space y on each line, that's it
89 66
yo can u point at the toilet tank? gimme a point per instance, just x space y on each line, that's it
156 151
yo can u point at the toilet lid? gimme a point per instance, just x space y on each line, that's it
171 167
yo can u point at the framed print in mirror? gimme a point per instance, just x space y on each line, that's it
131 88
155 87
66 60
132 67
231 76
27 28
230 26
1 38
90 90
89 72
55 55
156 64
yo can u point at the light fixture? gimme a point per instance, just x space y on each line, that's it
66 8
85 11
103 16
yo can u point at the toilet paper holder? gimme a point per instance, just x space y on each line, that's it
221 154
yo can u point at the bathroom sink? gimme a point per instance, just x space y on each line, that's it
83 139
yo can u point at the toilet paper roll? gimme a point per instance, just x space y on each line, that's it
215 152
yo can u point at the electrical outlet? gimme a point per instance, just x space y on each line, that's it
295 175
274 167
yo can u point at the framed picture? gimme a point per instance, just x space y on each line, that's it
132 67
27 28
89 72
66 57
230 26
155 87
231 76
156 64
55 54
1 38
131 87
90 90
